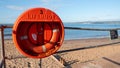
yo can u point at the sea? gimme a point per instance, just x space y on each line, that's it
79 34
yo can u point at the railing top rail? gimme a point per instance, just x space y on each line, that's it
73 28
94 29
6 26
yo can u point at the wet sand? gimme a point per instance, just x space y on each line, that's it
84 53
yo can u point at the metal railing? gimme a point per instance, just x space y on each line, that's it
2 27
73 28
92 29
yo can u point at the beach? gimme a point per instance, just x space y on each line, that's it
90 29
78 53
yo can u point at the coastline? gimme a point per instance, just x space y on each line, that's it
82 54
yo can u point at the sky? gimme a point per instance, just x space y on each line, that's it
68 10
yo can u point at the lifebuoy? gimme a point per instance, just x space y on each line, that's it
38 33
50 45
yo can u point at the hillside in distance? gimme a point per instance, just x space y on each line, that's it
101 22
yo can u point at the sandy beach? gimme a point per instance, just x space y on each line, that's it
83 53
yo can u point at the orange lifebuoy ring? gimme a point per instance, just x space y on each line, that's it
38 33
50 45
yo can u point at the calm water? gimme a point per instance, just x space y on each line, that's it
82 34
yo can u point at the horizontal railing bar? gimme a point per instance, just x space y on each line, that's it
7 34
77 28
6 26
73 28
88 47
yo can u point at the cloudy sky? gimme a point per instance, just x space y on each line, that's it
68 10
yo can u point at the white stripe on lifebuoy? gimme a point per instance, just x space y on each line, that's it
49 45
34 36
44 48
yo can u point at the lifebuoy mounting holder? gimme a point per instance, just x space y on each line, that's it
38 33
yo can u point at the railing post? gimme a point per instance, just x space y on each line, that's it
2 48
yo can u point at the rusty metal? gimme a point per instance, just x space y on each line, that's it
93 29
2 45
1 60
5 26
